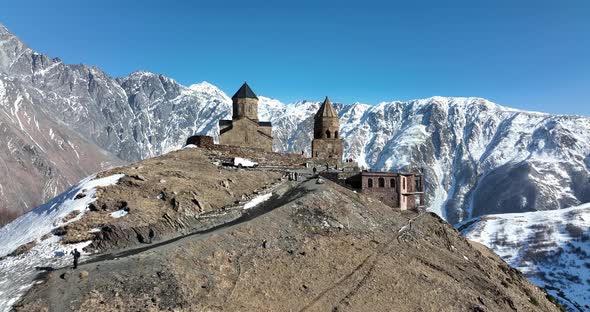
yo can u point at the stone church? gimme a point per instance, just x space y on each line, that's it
326 141
244 129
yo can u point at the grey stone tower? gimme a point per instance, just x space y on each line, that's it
245 104
326 141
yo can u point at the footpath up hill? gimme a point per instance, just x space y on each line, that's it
230 239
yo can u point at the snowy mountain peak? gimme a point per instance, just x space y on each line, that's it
14 54
3 29
5 34
209 89
204 87
140 74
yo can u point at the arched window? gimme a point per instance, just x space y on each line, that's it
404 183
328 134
392 183
381 182
335 134
370 182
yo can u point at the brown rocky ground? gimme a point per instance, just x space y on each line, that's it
165 195
311 247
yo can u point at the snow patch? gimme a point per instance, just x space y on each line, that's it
18 272
257 200
119 213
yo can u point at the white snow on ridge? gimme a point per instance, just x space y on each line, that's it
119 213
257 200
18 272
45 218
552 248
2 89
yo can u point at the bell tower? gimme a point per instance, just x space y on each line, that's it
245 104
326 138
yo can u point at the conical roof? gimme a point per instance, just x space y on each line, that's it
326 110
245 93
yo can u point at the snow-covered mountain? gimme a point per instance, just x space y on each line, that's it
60 123
478 157
552 248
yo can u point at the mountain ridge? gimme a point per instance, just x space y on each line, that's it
465 145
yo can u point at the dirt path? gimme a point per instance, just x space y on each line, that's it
281 194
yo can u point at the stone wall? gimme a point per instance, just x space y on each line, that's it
200 141
324 126
395 190
327 148
405 201
246 107
245 132
266 130
382 186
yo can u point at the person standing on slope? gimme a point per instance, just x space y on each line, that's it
76 255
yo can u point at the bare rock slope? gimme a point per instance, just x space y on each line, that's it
308 247
40 157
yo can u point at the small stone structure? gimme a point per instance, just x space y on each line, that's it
326 141
200 141
398 190
244 129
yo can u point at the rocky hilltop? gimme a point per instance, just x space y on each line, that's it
185 231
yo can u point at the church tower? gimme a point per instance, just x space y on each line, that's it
245 104
326 140
244 128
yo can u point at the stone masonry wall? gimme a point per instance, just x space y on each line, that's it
245 133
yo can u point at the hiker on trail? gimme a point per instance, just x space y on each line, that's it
315 170
151 235
76 255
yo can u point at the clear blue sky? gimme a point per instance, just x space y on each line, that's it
526 54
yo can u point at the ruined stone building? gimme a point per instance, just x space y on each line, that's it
326 141
398 190
244 129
